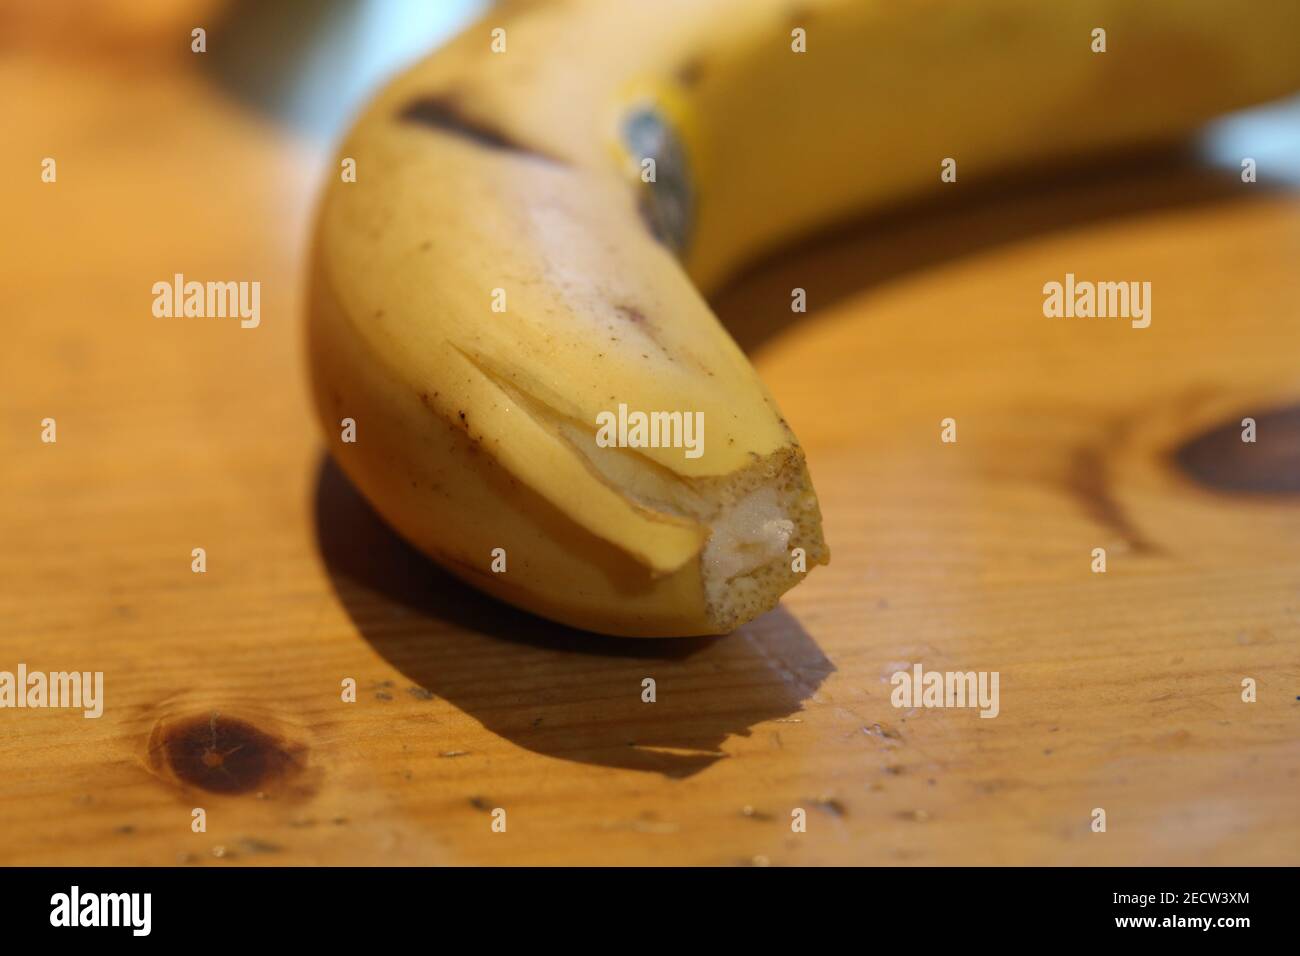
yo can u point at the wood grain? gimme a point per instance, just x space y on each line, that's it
1119 690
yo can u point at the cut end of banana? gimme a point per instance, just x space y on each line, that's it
751 533
760 526
763 539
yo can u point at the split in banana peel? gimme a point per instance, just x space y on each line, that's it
499 280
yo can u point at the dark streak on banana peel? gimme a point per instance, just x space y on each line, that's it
445 113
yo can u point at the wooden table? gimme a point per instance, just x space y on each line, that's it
1120 691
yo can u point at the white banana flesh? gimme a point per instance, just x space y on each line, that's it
499 276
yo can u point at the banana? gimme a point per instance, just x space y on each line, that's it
540 207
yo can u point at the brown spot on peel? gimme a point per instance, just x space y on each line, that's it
631 314
798 15
639 320
691 71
